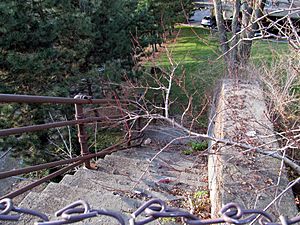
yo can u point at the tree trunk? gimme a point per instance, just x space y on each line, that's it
221 28
259 12
238 55
249 14
234 28
244 50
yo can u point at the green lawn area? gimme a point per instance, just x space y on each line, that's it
264 51
197 52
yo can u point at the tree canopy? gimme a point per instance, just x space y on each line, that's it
60 48
51 45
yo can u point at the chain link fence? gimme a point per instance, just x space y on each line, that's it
150 211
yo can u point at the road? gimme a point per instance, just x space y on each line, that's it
198 16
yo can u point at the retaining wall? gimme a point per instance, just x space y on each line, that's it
243 175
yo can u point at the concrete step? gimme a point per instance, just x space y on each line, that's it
57 196
165 134
118 185
179 172
95 181
63 191
169 159
132 200
97 198
41 203
48 203
145 153
165 164
98 180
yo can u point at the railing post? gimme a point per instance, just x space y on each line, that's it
82 135
126 125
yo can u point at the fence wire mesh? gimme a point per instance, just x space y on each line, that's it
150 211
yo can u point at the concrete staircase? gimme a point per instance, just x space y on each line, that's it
122 182
126 179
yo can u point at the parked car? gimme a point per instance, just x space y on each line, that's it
258 33
207 21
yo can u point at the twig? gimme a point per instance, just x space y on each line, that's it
277 197
5 153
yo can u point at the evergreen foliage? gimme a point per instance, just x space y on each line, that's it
57 48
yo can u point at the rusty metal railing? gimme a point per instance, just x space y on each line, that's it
78 99
75 162
80 121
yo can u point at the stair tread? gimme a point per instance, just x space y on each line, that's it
146 151
174 157
100 178
121 187
63 191
155 171
117 184
35 201
165 134
157 164
48 203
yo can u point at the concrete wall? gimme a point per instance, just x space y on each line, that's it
242 175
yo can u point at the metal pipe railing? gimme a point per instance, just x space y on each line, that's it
80 121
109 150
20 130
40 181
30 169
76 162
82 99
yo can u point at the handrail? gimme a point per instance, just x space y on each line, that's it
76 162
80 121
20 130
42 180
83 99
30 169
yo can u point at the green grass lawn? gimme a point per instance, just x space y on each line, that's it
265 51
197 52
